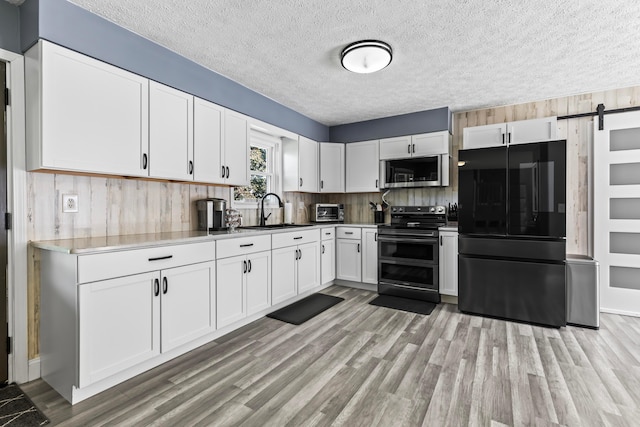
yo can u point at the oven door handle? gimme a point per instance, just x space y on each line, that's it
395 239
407 286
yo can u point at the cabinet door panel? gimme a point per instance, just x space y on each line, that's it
484 136
331 168
362 170
536 130
283 284
308 165
119 325
328 260
208 119
348 260
188 302
258 280
170 133
430 144
308 267
448 263
94 115
369 255
230 290
395 148
236 148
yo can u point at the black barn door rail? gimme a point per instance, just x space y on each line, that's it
600 112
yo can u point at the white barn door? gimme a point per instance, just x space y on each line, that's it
616 180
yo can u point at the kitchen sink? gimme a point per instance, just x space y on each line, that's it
276 226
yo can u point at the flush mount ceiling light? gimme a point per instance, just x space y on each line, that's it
367 56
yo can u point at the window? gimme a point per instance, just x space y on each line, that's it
264 170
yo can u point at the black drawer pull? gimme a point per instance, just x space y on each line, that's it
156 287
245 266
297 238
246 245
160 258
348 232
165 285
249 262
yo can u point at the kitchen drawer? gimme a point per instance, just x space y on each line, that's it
328 233
281 240
108 265
348 232
243 245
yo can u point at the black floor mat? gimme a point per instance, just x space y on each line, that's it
404 304
303 310
16 409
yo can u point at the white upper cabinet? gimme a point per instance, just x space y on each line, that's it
208 120
395 148
331 167
300 165
84 115
425 144
236 148
170 133
520 132
362 171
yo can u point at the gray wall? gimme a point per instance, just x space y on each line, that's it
9 27
388 127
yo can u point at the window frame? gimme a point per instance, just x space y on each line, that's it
274 145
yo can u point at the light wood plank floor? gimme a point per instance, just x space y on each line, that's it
360 365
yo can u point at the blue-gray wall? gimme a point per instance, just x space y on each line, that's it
66 24
9 27
388 127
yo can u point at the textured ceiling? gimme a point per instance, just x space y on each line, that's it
464 54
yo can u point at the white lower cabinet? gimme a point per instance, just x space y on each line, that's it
145 314
448 263
296 264
370 255
349 259
327 256
244 286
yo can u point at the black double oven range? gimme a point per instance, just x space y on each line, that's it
408 253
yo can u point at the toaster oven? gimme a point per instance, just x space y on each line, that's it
327 212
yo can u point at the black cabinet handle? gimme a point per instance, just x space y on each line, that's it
297 238
245 267
296 258
409 149
413 148
160 258
156 287
249 270
322 248
300 252
321 184
190 167
376 183
228 173
144 161
246 245
503 138
440 240
375 237
358 247
348 232
165 285
222 172
300 182
509 138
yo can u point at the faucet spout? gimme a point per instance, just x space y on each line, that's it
263 219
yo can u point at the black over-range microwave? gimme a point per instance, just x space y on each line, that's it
429 171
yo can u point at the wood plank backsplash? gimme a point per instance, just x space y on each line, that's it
114 206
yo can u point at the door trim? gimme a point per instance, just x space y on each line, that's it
17 205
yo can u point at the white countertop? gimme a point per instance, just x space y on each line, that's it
88 245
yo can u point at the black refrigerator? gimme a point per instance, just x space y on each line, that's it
512 232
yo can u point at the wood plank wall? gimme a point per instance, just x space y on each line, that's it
112 206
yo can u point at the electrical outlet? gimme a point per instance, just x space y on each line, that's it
69 203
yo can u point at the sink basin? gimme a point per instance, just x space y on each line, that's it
276 226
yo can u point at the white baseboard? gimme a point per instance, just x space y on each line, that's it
620 312
34 369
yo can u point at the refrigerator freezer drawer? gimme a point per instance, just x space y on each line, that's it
504 247
524 291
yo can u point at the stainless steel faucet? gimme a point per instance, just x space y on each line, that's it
263 219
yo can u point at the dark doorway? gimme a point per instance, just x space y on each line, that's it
4 352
